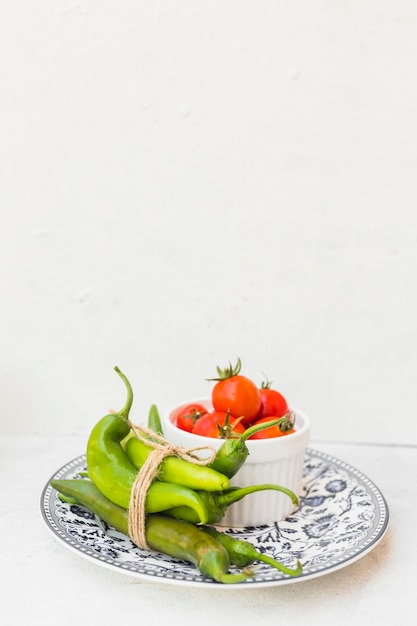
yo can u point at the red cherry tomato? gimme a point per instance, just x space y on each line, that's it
218 424
272 403
237 394
285 428
187 415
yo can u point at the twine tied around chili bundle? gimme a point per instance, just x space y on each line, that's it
148 472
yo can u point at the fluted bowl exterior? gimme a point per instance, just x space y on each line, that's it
277 460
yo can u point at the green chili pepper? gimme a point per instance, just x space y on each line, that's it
160 497
67 499
233 452
177 470
154 420
108 466
218 503
175 538
181 540
114 474
86 493
243 553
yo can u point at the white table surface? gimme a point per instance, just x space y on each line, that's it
45 583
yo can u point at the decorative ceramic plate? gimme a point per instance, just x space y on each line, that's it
342 516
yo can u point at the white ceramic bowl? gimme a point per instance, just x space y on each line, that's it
277 460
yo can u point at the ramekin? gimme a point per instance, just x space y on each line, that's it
277 460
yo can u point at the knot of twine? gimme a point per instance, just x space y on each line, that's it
148 472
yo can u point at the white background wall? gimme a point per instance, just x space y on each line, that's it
186 182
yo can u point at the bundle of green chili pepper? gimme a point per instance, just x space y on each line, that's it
182 498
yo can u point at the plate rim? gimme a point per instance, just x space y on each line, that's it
363 550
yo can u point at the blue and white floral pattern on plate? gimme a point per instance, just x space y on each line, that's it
341 517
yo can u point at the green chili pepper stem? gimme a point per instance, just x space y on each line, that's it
242 553
218 503
129 400
296 571
163 534
176 470
257 427
237 493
